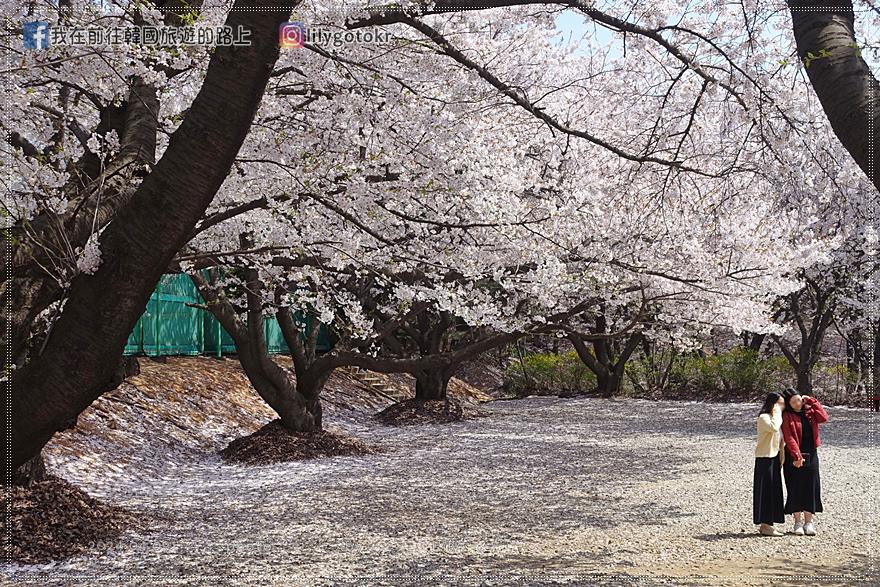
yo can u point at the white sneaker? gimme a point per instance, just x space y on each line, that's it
799 528
809 529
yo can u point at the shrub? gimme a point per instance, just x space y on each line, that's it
739 373
549 374
743 372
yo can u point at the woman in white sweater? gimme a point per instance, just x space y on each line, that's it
768 507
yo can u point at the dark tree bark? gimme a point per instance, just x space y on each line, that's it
858 359
848 91
80 357
296 400
431 384
312 371
609 357
609 372
753 341
804 381
34 470
432 337
40 249
29 297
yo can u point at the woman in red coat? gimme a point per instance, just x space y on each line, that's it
800 433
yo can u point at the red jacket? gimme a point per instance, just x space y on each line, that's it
792 429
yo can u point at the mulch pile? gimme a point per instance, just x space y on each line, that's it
415 411
53 519
483 374
273 443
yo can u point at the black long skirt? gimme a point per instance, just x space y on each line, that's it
802 485
767 503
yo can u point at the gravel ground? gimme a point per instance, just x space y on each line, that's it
544 491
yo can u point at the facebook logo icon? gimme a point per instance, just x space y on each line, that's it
36 35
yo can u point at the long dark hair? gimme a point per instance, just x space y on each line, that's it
786 395
769 402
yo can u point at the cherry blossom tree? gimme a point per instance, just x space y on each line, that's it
80 358
414 250
735 45
464 180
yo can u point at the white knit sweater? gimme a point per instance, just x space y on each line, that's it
769 436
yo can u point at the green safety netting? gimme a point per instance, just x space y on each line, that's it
171 327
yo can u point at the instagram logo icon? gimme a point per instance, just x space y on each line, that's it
291 34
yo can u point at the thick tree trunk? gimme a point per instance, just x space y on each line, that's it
308 387
805 381
30 296
848 91
313 407
298 412
81 355
802 364
297 401
609 383
608 367
755 341
40 247
432 384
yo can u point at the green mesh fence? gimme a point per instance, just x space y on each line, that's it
170 327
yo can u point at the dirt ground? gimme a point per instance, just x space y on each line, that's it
542 491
